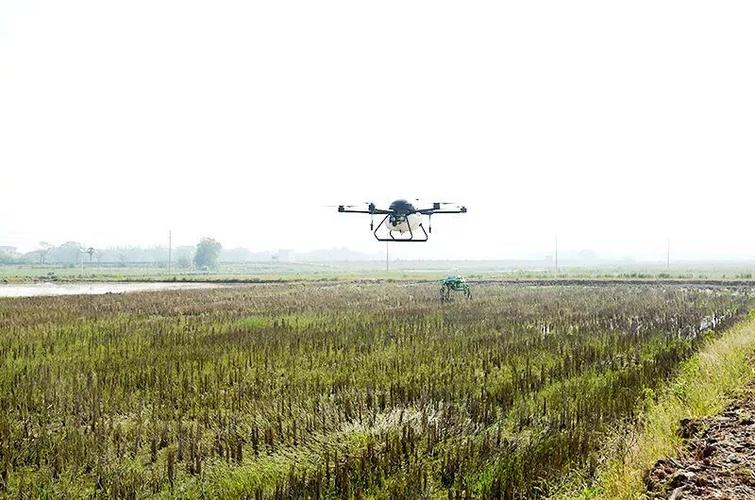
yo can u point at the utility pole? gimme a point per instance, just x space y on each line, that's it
557 253
386 256
668 254
170 248
90 251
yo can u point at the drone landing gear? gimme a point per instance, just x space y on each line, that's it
410 239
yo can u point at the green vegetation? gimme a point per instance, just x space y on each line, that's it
707 382
474 271
206 256
332 390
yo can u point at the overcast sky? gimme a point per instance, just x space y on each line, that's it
613 124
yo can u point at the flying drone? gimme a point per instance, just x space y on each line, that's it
401 217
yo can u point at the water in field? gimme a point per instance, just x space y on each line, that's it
44 289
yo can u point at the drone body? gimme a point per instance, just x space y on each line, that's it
402 220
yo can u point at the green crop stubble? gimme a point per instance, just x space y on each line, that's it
718 374
329 390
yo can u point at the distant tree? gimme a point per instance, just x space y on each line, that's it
206 256
67 253
35 257
44 249
236 255
8 255
183 262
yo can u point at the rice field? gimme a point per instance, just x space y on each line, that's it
316 391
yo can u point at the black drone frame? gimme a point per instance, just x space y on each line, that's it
372 211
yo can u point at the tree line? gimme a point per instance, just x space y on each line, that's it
206 254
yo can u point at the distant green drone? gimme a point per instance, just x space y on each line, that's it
454 284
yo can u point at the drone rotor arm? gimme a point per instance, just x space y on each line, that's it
343 210
431 211
462 210
441 207
346 209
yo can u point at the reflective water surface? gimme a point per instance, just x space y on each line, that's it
40 289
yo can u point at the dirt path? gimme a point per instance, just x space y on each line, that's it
718 460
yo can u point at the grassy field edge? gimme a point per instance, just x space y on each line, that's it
717 375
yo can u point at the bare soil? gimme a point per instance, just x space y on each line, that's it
718 460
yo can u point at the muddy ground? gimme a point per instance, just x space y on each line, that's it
718 460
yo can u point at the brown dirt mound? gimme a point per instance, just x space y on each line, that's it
718 460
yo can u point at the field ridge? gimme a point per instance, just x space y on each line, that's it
719 374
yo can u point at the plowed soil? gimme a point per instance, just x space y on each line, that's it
718 460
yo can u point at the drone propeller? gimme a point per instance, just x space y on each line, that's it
353 205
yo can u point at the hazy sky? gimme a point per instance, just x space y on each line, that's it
613 124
